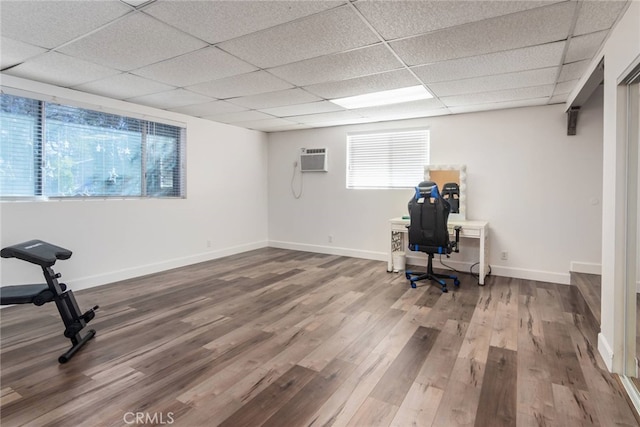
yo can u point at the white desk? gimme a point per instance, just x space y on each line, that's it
469 229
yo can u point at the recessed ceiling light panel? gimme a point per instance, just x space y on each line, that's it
385 97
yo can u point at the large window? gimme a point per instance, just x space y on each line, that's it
390 159
53 150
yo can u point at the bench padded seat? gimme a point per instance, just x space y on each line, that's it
23 294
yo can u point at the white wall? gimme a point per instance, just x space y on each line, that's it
621 50
226 204
539 189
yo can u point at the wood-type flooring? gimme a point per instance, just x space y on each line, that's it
274 337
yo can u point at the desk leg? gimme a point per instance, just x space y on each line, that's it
390 260
482 273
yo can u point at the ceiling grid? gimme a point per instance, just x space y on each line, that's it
276 65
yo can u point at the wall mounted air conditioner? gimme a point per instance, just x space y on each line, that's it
313 160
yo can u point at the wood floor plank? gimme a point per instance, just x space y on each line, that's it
352 394
271 399
373 413
395 383
319 358
419 406
563 362
575 406
288 338
436 370
498 404
299 410
505 325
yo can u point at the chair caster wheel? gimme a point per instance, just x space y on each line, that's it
413 285
456 282
444 290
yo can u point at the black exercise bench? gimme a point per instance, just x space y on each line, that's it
45 255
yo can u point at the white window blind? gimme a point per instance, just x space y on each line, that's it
390 159
55 150
20 141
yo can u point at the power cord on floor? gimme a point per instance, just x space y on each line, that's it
477 276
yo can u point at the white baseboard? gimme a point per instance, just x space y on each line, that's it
585 267
415 259
142 270
605 351
539 275
419 259
330 250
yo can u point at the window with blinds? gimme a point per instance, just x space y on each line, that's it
389 159
53 150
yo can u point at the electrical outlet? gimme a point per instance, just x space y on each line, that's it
208 243
504 255
330 238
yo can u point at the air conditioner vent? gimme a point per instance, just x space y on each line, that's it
313 160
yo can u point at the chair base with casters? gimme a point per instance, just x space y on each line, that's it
45 255
413 277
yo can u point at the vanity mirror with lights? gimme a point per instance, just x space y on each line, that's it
444 176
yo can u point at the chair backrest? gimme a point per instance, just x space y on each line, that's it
451 193
429 214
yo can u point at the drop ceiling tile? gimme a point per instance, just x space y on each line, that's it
171 99
61 70
241 85
51 23
326 117
324 33
404 115
542 56
345 65
295 126
265 125
207 109
597 15
137 3
499 105
518 79
14 52
122 86
339 122
584 47
573 71
275 99
367 84
565 87
532 27
217 21
133 42
394 19
301 109
241 116
202 65
404 110
498 96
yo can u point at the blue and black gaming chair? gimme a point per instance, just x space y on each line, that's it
428 232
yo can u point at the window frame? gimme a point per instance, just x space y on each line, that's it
389 185
147 122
